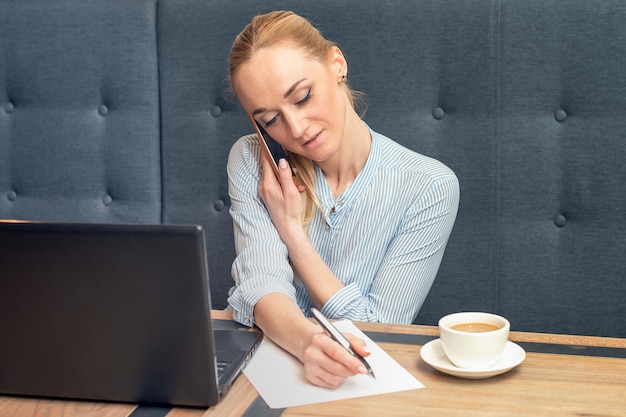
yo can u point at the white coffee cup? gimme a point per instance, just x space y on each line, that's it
474 340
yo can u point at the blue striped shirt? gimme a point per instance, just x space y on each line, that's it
383 237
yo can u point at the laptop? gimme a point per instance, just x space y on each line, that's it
113 312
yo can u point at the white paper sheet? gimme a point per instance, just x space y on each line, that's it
279 377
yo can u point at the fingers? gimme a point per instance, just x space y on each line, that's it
283 169
327 364
286 175
358 344
268 178
282 199
296 181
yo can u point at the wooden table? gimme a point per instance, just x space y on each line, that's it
583 376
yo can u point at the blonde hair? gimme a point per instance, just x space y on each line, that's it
268 30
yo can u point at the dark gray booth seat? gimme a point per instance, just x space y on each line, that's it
119 111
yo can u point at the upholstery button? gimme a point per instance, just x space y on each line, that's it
103 110
107 200
12 195
560 220
560 116
9 107
219 205
216 111
438 113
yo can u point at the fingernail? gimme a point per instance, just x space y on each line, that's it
362 370
365 349
282 163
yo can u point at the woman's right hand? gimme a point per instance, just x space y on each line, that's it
328 364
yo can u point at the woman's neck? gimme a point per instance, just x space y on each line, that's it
341 170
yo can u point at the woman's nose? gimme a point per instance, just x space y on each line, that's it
297 125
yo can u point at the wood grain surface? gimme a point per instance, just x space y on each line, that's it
545 384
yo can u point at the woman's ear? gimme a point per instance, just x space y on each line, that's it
338 63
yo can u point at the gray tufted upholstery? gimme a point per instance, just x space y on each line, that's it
119 111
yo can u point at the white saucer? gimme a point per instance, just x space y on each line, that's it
432 353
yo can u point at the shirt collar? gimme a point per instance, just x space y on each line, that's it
362 181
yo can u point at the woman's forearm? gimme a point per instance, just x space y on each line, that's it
320 281
282 321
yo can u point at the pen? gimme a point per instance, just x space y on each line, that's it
338 337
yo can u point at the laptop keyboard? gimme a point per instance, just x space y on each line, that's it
221 367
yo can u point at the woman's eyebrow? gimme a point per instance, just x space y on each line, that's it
287 94
293 88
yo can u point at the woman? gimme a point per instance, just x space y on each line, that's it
361 238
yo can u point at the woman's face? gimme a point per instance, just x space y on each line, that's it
301 102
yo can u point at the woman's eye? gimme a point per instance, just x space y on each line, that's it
305 99
271 121
301 102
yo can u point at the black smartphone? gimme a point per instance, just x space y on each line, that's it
272 149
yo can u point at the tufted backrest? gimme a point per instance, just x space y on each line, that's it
561 145
79 120
121 112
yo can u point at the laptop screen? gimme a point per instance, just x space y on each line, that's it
106 312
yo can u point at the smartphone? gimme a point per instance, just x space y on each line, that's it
272 150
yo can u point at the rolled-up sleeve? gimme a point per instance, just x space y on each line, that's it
261 266
409 265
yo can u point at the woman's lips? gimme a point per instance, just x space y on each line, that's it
313 141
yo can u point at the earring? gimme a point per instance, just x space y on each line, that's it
344 78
